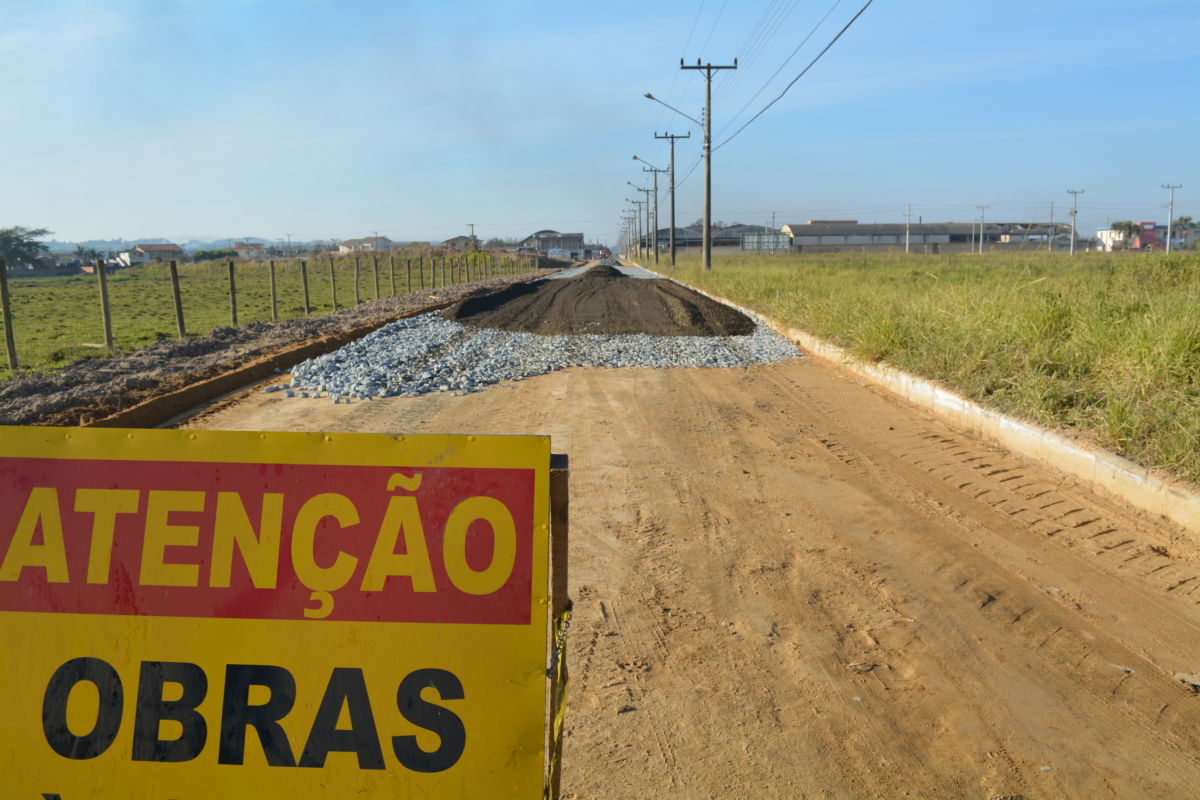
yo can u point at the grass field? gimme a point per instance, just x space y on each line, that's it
58 320
1106 344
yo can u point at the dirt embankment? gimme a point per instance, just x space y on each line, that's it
92 389
603 301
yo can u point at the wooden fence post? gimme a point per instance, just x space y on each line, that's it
560 543
104 315
357 278
375 268
10 344
421 270
332 283
408 272
392 266
233 320
274 296
178 300
304 283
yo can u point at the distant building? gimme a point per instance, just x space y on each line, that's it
146 253
729 237
367 244
249 250
459 243
1150 236
826 236
544 241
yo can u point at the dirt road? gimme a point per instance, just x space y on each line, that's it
788 584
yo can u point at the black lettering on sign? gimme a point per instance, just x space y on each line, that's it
237 714
442 721
108 716
152 709
346 687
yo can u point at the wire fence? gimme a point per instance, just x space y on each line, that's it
47 321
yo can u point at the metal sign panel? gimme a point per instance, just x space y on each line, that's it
199 614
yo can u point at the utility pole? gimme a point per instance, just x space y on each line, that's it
654 229
982 213
907 224
646 191
1171 213
1050 237
471 225
651 168
708 70
672 139
638 223
289 244
1074 213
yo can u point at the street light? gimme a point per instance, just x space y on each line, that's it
638 219
706 126
649 96
654 170
646 200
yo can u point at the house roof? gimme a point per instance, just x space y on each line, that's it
376 240
159 248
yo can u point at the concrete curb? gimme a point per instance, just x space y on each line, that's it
1120 476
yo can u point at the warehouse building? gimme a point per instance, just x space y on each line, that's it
830 236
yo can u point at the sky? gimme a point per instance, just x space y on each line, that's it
335 119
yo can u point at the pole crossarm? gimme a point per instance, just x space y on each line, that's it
672 138
708 70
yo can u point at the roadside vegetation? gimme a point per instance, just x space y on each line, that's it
1104 344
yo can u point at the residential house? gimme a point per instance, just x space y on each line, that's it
1149 236
249 250
546 240
146 253
459 243
367 244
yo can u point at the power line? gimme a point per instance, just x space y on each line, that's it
713 29
766 28
845 28
786 61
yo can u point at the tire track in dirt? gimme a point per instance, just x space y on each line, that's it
900 623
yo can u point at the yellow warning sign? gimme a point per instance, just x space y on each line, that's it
200 614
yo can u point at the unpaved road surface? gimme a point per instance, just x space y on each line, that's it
788 584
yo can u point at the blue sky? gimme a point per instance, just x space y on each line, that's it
335 118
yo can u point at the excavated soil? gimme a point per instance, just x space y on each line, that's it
603 301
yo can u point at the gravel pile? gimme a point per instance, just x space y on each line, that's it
425 354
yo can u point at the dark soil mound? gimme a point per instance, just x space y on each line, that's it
603 271
601 300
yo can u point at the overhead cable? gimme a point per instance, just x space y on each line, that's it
779 97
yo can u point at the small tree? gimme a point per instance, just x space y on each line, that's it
20 246
1128 230
1184 223
87 255
213 255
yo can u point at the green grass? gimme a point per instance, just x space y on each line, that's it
1105 344
58 320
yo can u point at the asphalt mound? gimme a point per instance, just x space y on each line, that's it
603 301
